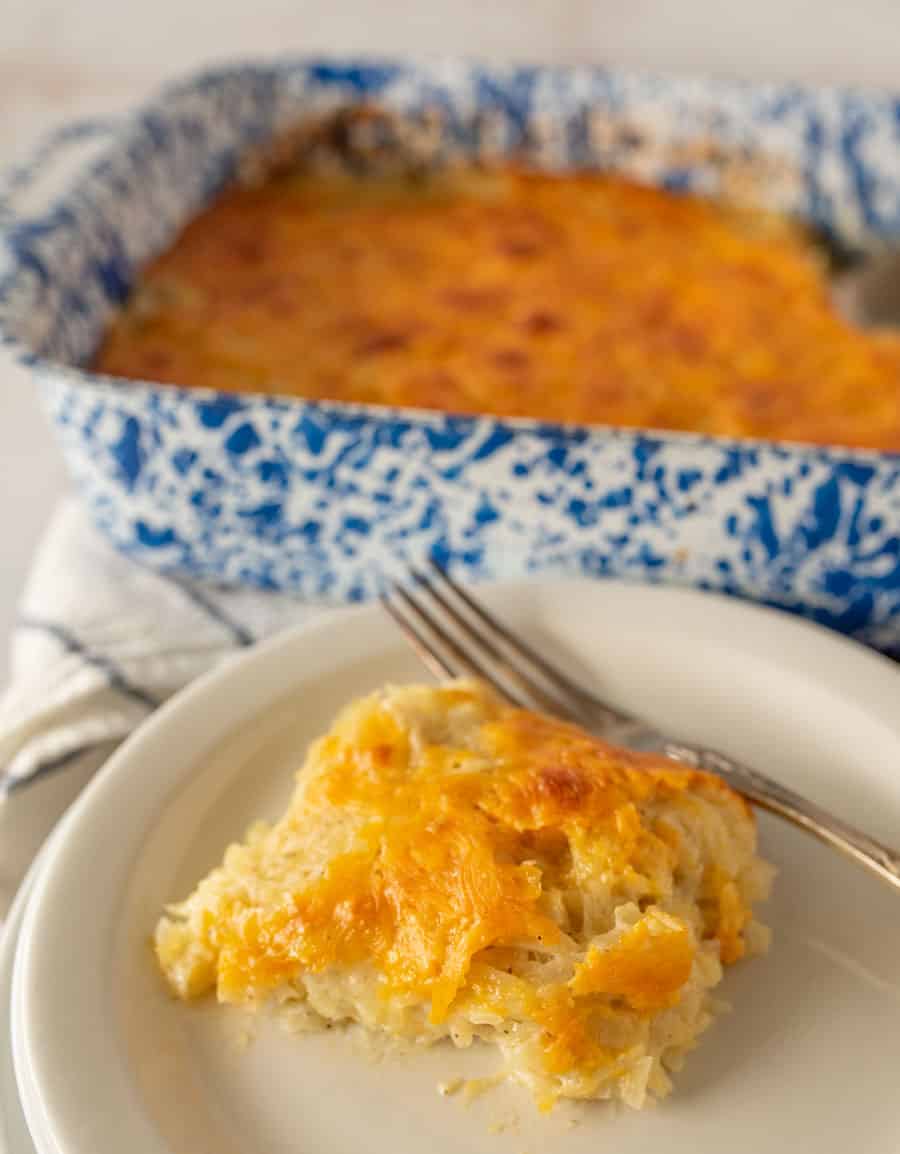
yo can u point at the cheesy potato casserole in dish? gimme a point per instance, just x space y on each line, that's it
576 297
452 867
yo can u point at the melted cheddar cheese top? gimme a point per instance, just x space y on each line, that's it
439 839
581 298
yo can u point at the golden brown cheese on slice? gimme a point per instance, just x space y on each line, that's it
452 866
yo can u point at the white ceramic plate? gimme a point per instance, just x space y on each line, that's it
26 822
14 1136
810 1056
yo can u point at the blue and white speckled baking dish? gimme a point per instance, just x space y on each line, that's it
327 498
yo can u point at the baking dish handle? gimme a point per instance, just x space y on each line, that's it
33 180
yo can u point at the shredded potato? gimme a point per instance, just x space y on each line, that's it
452 867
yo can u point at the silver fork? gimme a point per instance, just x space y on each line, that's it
455 636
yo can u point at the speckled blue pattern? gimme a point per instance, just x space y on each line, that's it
328 499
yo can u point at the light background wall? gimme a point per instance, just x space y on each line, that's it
814 39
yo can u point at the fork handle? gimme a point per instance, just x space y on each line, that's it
778 799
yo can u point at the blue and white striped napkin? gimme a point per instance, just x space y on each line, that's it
100 642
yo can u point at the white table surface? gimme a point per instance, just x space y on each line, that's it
63 60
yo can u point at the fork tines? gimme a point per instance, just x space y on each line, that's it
455 636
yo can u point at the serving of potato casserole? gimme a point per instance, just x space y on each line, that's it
452 867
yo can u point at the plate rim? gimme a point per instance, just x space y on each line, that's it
10 1143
